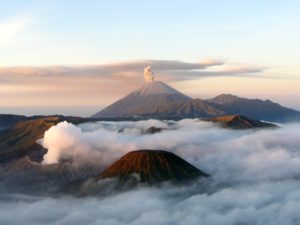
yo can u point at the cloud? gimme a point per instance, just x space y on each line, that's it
257 155
252 205
237 71
255 177
66 141
132 69
101 84
12 29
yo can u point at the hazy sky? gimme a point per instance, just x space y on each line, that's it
90 53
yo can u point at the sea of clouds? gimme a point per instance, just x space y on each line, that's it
255 176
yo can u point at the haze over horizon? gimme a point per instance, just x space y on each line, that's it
74 58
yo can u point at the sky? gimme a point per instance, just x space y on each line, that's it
76 57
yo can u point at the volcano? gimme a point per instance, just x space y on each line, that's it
145 101
152 166
157 100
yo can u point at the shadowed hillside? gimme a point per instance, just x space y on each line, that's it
21 138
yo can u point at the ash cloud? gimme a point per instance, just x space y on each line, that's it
172 70
32 85
255 176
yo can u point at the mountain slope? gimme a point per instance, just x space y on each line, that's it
146 100
253 108
239 122
21 156
8 120
21 139
24 174
193 108
152 166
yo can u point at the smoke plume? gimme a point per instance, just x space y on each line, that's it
148 74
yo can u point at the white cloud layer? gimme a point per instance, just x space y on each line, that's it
168 69
255 176
102 84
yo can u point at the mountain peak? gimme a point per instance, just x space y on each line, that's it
224 99
150 98
156 87
152 166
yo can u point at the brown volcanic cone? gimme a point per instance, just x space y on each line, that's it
239 122
152 166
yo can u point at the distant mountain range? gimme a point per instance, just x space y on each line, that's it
254 108
158 100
